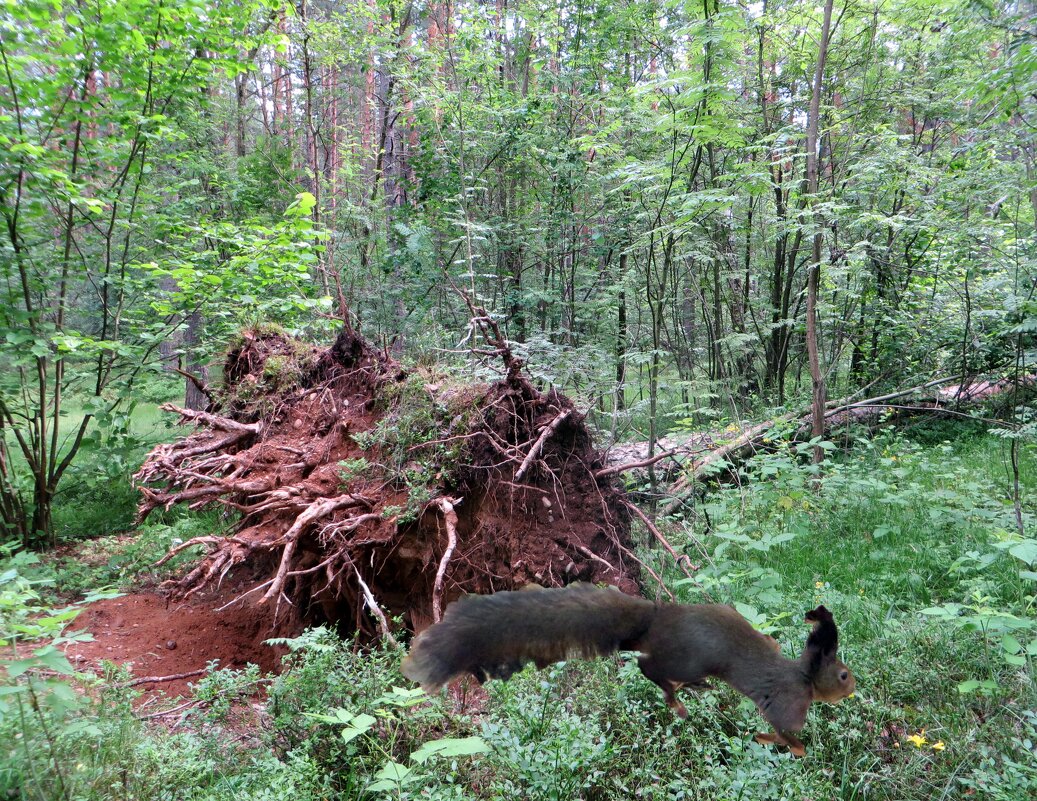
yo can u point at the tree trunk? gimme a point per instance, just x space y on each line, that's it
194 398
813 276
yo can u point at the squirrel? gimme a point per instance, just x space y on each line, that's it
681 645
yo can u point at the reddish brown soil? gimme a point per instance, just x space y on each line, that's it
155 639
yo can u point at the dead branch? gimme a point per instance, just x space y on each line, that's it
622 468
753 435
651 572
746 440
200 385
174 710
491 333
161 679
376 610
534 452
593 556
446 508
680 559
834 407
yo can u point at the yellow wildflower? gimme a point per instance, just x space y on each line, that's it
938 745
819 584
918 740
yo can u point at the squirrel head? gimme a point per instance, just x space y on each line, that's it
832 680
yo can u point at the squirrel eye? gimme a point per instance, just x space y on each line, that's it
844 675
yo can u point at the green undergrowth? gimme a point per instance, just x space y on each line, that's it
125 561
914 548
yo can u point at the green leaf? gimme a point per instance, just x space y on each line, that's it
50 657
361 725
450 746
400 696
1010 644
1025 550
17 667
391 776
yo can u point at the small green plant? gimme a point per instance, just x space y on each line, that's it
543 750
38 704
380 731
352 469
218 689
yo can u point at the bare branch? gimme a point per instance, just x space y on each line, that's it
376 610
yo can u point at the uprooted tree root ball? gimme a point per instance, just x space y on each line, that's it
359 489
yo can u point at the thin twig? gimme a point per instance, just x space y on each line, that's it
172 711
622 468
376 610
653 574
593 556
680 559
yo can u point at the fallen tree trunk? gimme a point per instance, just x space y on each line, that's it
840 412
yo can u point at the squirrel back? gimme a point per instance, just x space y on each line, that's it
493 636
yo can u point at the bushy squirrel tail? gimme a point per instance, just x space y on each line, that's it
493 636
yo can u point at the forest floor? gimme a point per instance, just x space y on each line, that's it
910 542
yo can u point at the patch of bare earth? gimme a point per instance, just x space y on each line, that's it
154 636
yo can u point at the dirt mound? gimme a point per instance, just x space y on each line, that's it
363 488
156 637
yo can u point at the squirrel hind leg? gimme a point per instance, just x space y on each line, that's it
794 744
669 687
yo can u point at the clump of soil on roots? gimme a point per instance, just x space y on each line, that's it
360 490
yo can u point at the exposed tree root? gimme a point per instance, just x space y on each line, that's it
344 474
538 446
446 507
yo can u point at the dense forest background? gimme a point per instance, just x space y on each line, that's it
689 217
669 205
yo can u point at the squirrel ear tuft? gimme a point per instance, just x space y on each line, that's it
819 615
